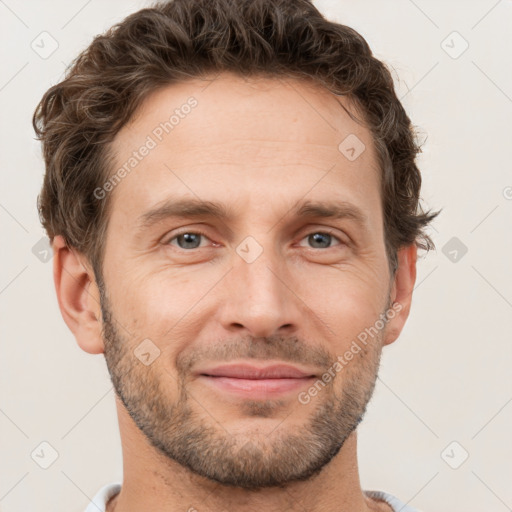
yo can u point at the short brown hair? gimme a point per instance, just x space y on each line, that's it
173 41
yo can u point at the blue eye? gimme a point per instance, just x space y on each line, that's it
192 240
188 240
320 239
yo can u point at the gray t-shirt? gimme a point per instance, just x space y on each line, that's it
100 500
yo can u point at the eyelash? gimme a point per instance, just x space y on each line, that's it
198 232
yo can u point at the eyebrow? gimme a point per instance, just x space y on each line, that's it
196 208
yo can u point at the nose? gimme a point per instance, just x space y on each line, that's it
259 299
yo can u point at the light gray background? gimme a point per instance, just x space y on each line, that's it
448 376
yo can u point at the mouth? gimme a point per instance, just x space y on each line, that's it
256 382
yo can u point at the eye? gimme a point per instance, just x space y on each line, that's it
321 239
192 240
187 239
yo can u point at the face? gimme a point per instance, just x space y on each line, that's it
245 241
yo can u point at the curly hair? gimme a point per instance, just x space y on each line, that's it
177 40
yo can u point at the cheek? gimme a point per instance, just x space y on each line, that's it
346 303
162 304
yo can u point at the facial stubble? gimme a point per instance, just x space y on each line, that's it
253 461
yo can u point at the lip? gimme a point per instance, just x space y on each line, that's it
249 381
250 372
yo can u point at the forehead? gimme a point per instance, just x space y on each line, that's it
234 138
230 107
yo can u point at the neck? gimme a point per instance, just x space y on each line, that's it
153 482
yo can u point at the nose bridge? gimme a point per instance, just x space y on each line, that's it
259 269
258 296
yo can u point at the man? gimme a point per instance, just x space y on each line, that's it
233 201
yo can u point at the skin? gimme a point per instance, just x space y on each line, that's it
257 146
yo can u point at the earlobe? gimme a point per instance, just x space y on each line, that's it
401 294
78 296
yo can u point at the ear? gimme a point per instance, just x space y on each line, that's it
78 296
401 292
